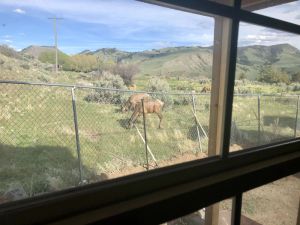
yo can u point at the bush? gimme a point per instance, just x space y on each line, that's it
1 62
161 86
25 66
108 80
183 100
126 71
296 77
271 75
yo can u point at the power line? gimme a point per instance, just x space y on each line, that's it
55 40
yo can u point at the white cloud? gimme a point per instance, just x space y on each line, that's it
20 11
7 41
258 35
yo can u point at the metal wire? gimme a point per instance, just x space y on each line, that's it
38 135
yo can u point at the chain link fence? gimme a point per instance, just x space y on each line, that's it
263 119
57 136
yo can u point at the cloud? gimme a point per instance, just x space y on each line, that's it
19 11
258 35
8 41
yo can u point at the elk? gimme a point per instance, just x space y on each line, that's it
133 100
206 89
150 106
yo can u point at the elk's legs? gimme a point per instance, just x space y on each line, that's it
160 116
133 118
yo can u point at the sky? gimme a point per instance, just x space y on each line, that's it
124 24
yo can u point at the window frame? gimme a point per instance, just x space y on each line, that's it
156 196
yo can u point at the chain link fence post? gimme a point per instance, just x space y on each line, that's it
145 134
77 135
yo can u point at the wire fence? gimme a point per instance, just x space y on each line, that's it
54 136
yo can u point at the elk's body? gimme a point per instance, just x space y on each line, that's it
150 106
133 100
206 89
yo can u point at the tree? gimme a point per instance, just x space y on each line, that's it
271 75
126 71
296 77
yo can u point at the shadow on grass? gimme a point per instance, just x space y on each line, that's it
124 123
39 169
283 121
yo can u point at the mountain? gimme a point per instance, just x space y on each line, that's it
9 52
282 56
35 50
191 62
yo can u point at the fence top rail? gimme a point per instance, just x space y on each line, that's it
129 91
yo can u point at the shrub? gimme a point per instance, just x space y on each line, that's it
183 100
162 87
25 66
271 75
107 80
126 71
1 61
296 77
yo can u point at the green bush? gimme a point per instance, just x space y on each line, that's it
271 75
183 100
108 80
25 66
161 86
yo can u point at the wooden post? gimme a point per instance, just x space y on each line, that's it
296 120
222 34
298 217
259 120
196 123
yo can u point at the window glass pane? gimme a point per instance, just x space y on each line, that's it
55 137
273 204
265 108
198 217
283 10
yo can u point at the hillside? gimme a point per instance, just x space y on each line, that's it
196 62
189 62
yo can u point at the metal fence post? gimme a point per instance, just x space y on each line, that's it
198 133
77 134
258 118
145 134
296 120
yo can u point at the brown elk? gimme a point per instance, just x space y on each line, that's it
150 106
206 89
133 100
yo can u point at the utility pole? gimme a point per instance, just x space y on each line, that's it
55 40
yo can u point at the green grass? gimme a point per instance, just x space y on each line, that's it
38 144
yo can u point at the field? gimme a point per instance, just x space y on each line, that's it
38 144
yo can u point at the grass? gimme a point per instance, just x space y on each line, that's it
38 144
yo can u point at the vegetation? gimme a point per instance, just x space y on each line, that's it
271 75
110 81
38 144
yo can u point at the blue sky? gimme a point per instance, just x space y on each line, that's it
124 24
